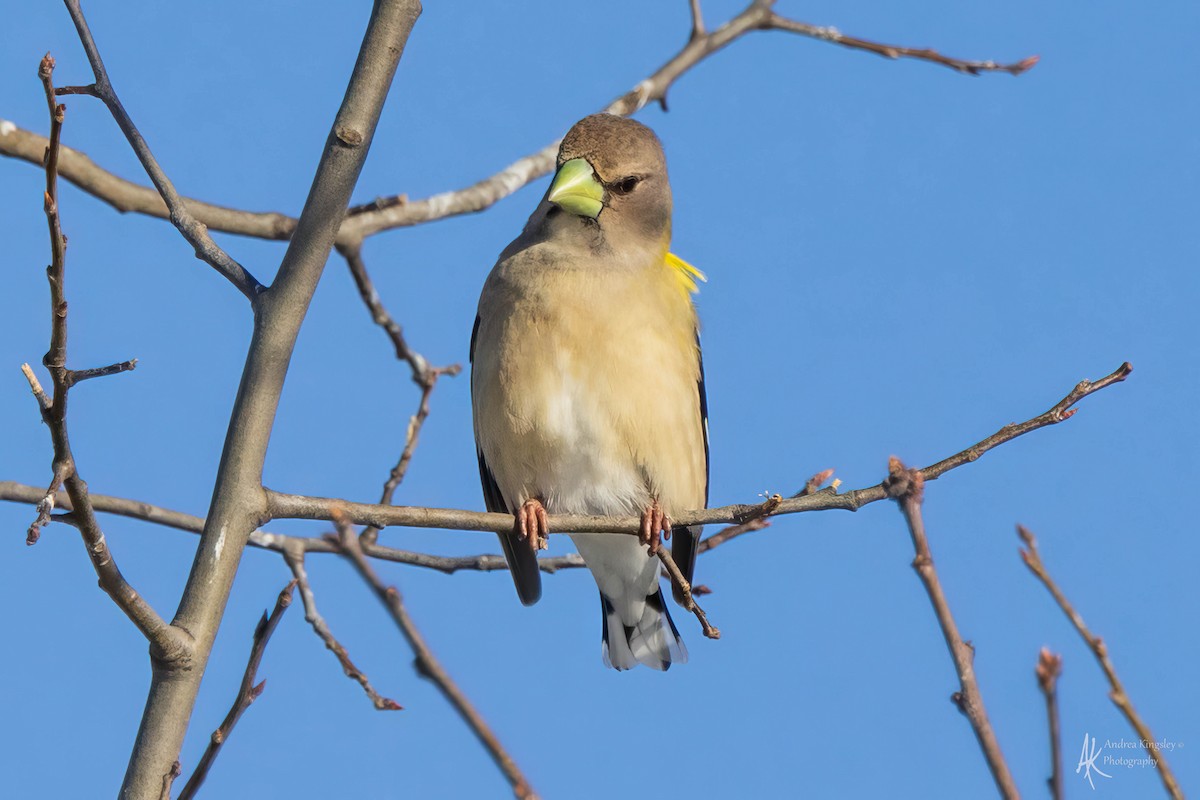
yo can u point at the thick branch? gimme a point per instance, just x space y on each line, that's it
429 667
192 229
1033 559
238 504
126 196
907 488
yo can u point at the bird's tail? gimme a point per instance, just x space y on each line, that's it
653 640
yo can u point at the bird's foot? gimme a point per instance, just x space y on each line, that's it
654 522
532 524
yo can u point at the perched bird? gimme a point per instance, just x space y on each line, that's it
587 384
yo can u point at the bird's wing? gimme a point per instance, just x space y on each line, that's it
685 541
522 561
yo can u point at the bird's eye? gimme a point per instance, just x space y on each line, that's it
626 185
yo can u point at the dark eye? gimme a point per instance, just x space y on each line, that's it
626 185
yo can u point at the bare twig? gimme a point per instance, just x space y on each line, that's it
758 523
35 386
424 375
192 229
1049 667
398 211
907 486
757 16
815 482
45 503
170 642
278 542
828 33
290 506
77 375
412 436
697 20
428 666
732 532
755 521
382 516
689 602
248 692
295 560
1059 412
1117 694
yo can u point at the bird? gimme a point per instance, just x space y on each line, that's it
587 382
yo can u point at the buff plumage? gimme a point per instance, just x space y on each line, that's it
587 382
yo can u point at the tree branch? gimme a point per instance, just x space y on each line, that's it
192 229
126 196
78 375
1049 667
137 509
294 556
828 33
428 666
689 602
759 523
1120 698
906 487
697 20
238 502
291 506
425 376
422 373
169 642
809 499
398 211
248 692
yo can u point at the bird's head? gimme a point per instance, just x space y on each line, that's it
612 173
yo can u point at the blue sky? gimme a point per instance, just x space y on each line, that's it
901 259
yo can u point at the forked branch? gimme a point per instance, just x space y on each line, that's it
170 642
907 488
398 210
181 217
291 506
427 664
1033 559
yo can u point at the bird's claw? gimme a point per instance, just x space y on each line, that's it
654 522
532 524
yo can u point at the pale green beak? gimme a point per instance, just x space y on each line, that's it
576 190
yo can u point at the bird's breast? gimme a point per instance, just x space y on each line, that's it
563 443
585 396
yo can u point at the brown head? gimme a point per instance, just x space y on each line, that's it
612 172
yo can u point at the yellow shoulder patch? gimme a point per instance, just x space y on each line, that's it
685 273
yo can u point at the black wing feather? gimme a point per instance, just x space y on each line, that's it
685 541
522 561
